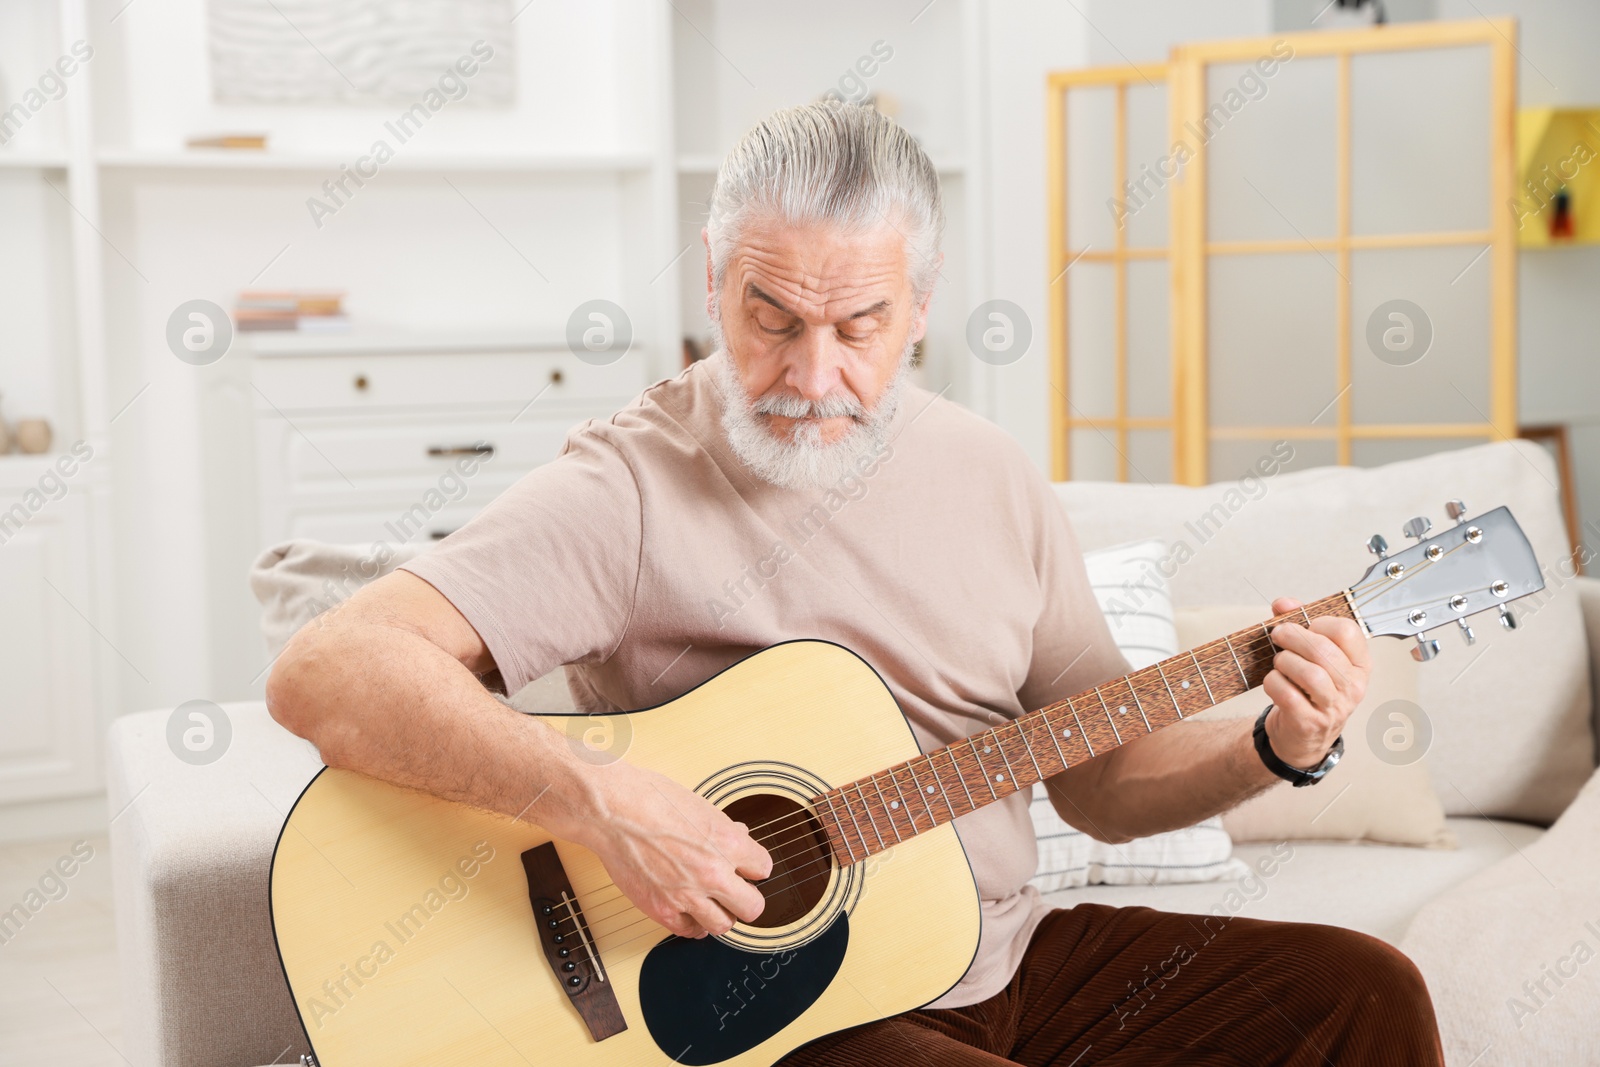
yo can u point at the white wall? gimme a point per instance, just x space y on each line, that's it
565 53
1024 42
1558 334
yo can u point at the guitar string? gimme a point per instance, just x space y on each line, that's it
804 818
1385 581
1327 608
1261 644
801 820
611 948
1255 646
1393 583
1213 656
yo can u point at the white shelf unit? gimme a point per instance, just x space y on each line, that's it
481 235
32 161
59 649
246 159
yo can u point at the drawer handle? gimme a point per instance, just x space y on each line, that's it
446 451
439 535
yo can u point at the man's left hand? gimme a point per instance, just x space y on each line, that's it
1318 676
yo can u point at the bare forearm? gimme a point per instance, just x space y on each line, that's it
391 704
1173 778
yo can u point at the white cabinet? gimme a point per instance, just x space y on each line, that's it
377 445
367 441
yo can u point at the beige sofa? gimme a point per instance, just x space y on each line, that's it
1513 752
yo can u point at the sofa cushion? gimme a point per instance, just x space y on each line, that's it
1376 889
296 581
1510 717
1380 790
1133 596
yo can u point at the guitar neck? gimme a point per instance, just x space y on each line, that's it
875 813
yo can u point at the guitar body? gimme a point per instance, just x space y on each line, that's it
409 934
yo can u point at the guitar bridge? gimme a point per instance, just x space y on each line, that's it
569 945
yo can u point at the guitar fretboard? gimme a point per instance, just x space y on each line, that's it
875 813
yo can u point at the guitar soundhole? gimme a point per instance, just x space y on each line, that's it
801 859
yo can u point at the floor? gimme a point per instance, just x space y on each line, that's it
59 1000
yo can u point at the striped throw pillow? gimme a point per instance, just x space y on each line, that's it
1133 596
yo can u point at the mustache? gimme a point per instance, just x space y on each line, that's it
833 406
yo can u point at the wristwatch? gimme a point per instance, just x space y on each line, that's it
1294 775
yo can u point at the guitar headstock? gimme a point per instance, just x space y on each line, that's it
1478 564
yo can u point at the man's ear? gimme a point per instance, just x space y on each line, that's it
919 313
711 293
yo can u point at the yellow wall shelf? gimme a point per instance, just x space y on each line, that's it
1557 146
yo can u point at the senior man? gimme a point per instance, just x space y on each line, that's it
684 534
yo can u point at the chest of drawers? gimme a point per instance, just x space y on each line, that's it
401 446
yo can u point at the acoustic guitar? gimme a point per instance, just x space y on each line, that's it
413 930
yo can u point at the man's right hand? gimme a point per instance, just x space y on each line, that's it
390 673
674 854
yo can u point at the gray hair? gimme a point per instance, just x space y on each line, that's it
830 162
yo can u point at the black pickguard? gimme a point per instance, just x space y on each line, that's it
705 1002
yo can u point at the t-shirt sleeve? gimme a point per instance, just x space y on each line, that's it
1072 644
547 572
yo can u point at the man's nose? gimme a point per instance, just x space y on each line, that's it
814 364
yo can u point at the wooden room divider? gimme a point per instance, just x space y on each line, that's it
1326 209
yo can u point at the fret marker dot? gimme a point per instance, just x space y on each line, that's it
930 789
1123 710
1184 684
1067 732
999 777
893 804
985 750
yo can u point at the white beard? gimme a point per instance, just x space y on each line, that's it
802 461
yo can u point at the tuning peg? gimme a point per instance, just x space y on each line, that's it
1426 649
1456 510
1417 528
1508 620
1466 632
1378 546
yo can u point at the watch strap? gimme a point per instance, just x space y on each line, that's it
1293 775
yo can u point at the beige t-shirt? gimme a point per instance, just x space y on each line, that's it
648 558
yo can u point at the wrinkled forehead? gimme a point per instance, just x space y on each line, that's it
826 272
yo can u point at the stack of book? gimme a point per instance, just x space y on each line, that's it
254 141
290 310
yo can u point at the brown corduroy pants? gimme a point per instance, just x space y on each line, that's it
1108 986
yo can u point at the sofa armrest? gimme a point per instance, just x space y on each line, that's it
1488 945
191 852
1589 601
